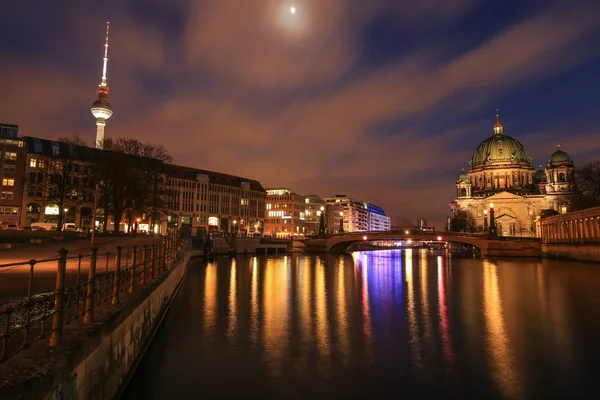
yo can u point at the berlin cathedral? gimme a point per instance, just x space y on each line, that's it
501 175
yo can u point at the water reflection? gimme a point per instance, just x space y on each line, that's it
388 323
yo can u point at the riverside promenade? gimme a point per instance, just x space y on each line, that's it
14 279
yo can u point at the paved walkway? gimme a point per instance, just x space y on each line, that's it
14 279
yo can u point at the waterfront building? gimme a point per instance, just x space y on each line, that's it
285 213
313 205
378 220
212 201
12 174
356 215
502 176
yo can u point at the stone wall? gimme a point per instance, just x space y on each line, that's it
579 252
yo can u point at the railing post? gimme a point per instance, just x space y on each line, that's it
144 262
28 313
117 277
59 299
153 271
88 317
132 277
163 253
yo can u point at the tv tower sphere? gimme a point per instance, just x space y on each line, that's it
101 108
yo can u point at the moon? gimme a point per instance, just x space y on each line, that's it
293 10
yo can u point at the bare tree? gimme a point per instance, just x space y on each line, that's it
587 179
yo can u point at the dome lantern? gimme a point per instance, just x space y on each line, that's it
498 126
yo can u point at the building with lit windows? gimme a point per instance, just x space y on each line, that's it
378 220
285 213
212 201
47 162
12 173
356 215
313 205
502 174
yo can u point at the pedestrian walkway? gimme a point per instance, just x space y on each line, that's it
14 279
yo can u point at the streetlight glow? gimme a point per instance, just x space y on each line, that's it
293 10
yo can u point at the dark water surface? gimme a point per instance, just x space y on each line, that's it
386 324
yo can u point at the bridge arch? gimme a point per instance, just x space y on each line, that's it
339 244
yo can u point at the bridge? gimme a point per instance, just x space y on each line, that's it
495 247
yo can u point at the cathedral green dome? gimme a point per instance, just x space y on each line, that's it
540 176
463 176
500 149
559 157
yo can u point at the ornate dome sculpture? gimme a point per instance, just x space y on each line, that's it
559 157
500 149
462 177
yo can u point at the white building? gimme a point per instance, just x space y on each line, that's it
378 220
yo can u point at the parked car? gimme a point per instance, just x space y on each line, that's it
43 226
69 227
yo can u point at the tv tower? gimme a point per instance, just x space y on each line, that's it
101 108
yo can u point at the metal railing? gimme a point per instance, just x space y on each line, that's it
110 276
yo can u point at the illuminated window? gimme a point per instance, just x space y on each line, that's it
268 206
8 182
245 202
213 221
33 163
10 155
41 163
563 209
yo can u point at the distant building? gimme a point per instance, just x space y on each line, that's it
313 213
12 174
212 201
378 220
356 215
285 213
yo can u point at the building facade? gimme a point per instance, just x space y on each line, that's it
356 215
313 204
212 201
378 220
502 176
285 213
12 174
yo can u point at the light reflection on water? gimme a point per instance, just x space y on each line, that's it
404 323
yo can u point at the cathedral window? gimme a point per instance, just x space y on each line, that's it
561 177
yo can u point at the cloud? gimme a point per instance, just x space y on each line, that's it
242 87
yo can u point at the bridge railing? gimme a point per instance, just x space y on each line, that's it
31 317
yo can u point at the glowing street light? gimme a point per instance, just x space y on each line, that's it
365 237
439 238
293 10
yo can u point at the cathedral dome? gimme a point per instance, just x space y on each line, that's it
462 177
500 149
559 157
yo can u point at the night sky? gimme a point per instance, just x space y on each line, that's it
382 100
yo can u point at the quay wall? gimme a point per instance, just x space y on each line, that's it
578 252
100 364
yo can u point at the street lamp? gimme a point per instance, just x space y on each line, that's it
65 217
341 222
492 221
138 220
485 220
322 222
234 224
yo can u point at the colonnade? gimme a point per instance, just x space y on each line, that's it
576 227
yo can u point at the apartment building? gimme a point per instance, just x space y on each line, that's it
212 201
285 213
12 173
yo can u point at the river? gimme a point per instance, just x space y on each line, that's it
382 324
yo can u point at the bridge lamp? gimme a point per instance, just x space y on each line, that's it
365 237
492 206
406 232
439 238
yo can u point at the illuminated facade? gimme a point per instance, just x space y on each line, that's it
213 202
356 215
12 174
378 220
502 173
313 213
285 213
101 108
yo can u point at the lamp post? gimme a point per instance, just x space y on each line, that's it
492 221
341 222
322 222
64 218
94 211
234 226
138 220
485 220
